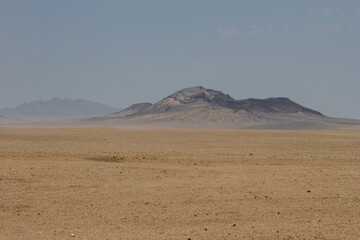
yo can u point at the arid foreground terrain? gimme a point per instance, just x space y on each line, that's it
179 184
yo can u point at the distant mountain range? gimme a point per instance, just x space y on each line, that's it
198 107
57 109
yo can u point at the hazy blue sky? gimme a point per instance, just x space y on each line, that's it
123 52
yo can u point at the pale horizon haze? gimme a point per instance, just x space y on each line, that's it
124 52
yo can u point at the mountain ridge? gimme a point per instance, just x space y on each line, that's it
57 108
200 97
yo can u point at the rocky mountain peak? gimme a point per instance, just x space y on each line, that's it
188 100
195 95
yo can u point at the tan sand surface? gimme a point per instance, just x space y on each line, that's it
179 184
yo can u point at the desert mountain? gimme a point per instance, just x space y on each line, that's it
199 97
56 108
198 107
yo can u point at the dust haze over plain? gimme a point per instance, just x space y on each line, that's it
124 52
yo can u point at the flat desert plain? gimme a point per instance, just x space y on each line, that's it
88 183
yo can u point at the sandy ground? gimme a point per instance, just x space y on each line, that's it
179 184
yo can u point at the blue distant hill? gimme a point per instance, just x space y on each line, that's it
57 108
